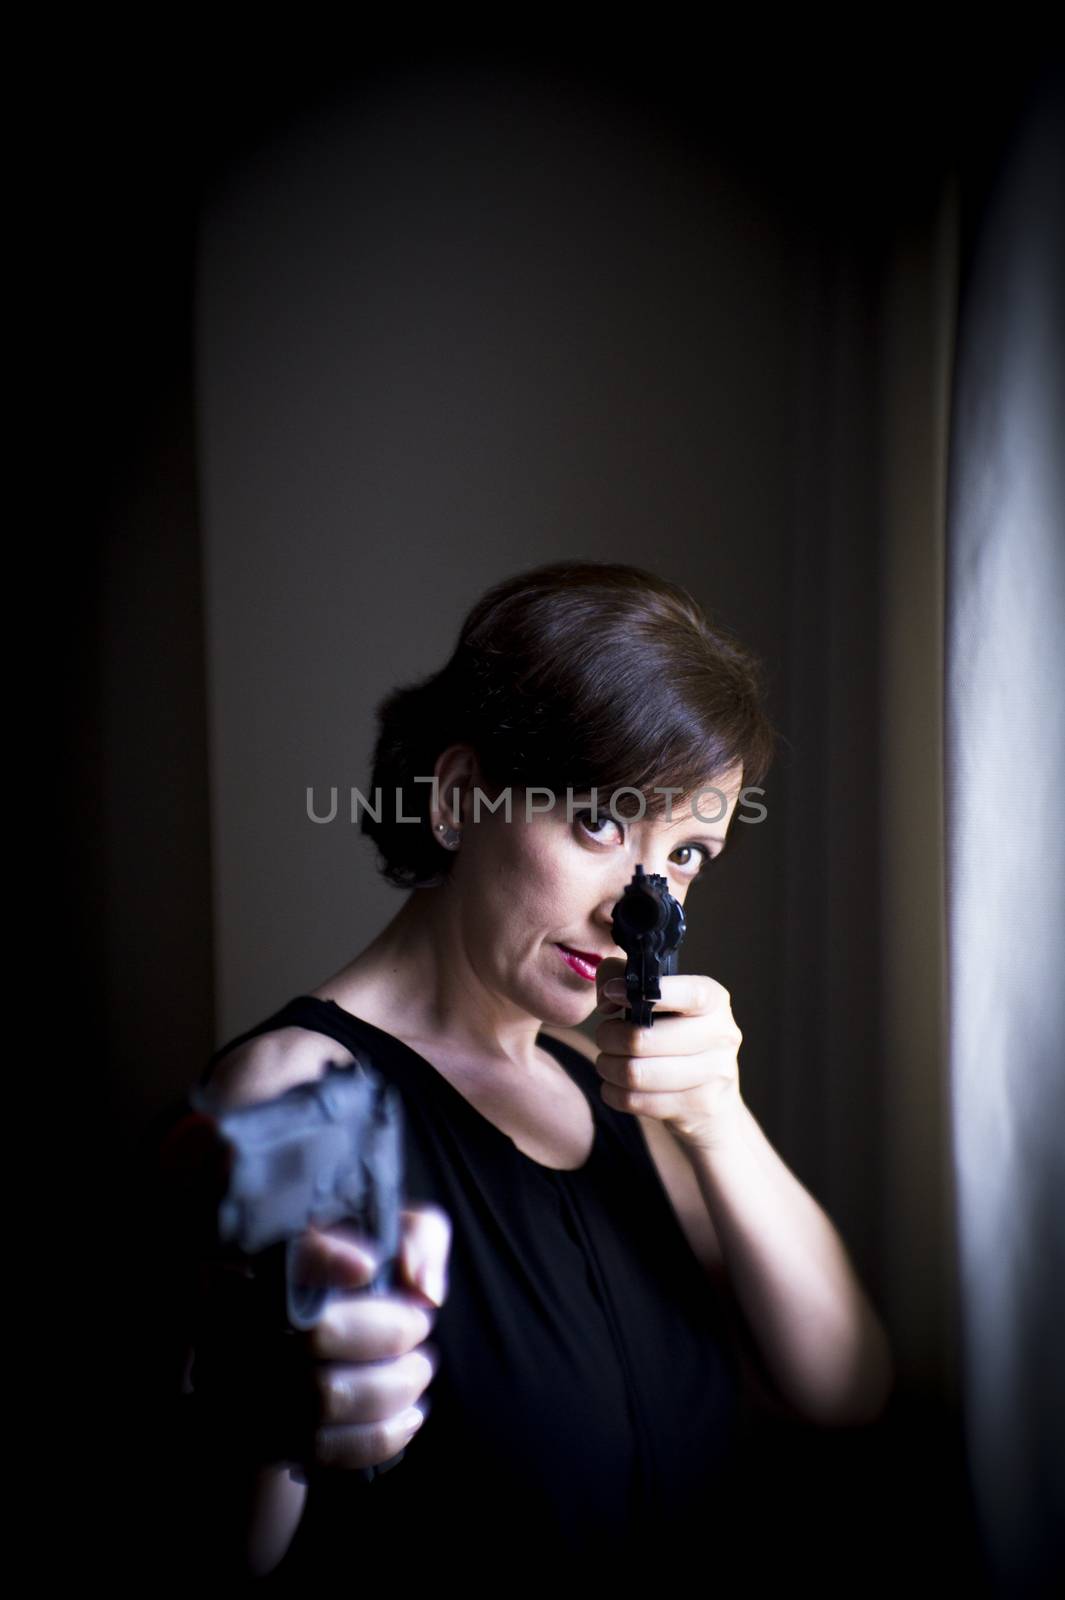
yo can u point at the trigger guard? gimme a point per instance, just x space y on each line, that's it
304 1303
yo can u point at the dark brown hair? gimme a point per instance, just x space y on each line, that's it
578 674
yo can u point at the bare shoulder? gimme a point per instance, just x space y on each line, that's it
267 1065
673 1168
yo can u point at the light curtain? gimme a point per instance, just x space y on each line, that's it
1004 722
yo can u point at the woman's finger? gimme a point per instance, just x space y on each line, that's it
679 1036
688 994
692 994
370 1327
369 1392
337 1257
424 1251
611 968
343 1257
653 1074
367 1444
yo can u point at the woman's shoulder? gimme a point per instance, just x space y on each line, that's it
263 1067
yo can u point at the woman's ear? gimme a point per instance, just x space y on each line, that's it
457 774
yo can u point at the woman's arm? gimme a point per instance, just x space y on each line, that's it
250 1514
820 1339
818 1334
275 1507
242 1513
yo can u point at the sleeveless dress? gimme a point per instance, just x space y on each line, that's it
584 1413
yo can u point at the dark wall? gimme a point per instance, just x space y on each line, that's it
829 171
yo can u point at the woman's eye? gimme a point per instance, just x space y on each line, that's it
599 825
694 856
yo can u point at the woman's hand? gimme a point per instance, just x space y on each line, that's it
343 1393
684 1070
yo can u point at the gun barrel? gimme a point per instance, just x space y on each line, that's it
648 924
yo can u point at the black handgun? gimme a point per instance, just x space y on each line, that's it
256 1177
649 925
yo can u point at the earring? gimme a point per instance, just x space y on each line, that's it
451 836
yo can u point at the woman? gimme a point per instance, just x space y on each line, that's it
589 1227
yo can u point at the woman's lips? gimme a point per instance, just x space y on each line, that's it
580 961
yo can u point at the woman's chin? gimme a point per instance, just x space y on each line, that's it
562 1010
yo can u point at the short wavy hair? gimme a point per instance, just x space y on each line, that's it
577 674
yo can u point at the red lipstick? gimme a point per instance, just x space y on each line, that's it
580 961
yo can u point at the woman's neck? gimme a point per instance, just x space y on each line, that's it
414 980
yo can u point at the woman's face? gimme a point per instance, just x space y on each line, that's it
534 896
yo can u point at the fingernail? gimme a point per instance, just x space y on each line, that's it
369 1261
411 1419
614 988
430 1281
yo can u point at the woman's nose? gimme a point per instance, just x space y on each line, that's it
605 911
604 915
655 863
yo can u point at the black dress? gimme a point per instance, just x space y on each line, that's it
585 1408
